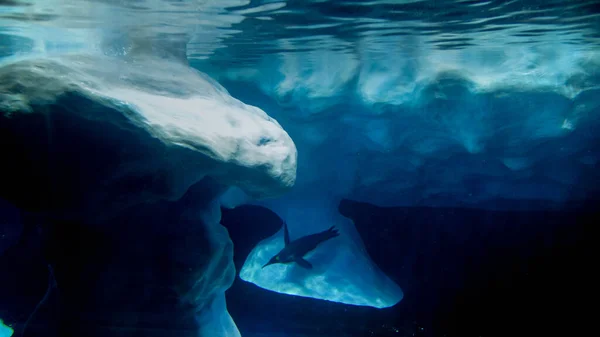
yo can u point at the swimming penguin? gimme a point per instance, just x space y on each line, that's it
294 251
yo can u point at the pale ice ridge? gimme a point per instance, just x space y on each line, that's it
174 103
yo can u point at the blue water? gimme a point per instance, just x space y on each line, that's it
452 143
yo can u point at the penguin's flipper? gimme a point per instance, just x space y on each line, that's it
286 234
303 263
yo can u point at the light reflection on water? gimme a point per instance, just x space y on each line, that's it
240 31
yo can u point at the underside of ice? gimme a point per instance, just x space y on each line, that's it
439 127
341 269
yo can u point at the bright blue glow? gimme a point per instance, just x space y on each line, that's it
342 270
5 331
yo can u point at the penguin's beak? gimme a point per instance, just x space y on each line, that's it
268 263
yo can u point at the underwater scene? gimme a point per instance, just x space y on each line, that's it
299 168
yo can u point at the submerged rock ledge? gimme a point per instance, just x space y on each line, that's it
120 167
